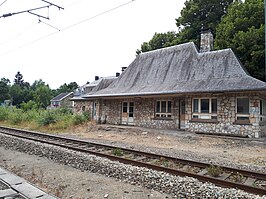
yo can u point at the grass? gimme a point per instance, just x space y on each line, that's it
58 120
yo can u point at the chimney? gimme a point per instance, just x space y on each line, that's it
124 68
117 74
206 40
96 78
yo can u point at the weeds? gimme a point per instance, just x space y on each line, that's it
237 177
214 171
55 120
117 152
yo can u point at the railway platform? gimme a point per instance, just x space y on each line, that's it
15 187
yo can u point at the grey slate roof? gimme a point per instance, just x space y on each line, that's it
61 96
95 86
181 69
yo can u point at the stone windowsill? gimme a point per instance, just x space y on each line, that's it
162 118
243 122
203 120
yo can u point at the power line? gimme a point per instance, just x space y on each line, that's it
3 2
98 15
17 35
68 27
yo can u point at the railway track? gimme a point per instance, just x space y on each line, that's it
249 181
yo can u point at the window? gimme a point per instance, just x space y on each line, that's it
131 109
204 105
124 107
204 108
242 108
195 105
214 106
163 109
243 105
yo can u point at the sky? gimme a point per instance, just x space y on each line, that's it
87 38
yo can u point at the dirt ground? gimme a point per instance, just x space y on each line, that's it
236 150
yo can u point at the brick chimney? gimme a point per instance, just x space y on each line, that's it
206 40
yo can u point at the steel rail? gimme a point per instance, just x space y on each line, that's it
219 182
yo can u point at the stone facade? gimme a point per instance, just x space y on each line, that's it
226 118
110 111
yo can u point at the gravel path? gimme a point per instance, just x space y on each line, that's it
68 182
64 181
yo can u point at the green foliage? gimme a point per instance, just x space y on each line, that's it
117 152
79 119
19 94
3 113
4 89
159 40
15 116
86 115
29 105
66 88
195 16
214 171
47 117
19 79
198 14
42 96
242 29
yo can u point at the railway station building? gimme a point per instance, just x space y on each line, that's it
181 87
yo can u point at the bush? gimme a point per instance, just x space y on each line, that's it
64 111
30 105
15 116
86 115
3 113
48 117
79 119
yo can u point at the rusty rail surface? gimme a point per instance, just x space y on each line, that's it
153 161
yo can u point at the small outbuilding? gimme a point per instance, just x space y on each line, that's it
62 100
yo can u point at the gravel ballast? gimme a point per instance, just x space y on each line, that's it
181 187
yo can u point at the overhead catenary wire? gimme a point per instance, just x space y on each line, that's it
3 2
67 27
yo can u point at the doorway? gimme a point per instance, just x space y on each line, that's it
128 113
182 114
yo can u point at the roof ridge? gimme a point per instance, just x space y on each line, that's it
168 48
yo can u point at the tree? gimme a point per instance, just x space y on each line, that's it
159 40
4 89
16 93
65 88
242 29
19 79
198 14
42 96
37 83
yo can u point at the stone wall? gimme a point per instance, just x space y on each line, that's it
81 106
226 118
110 111
144 113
